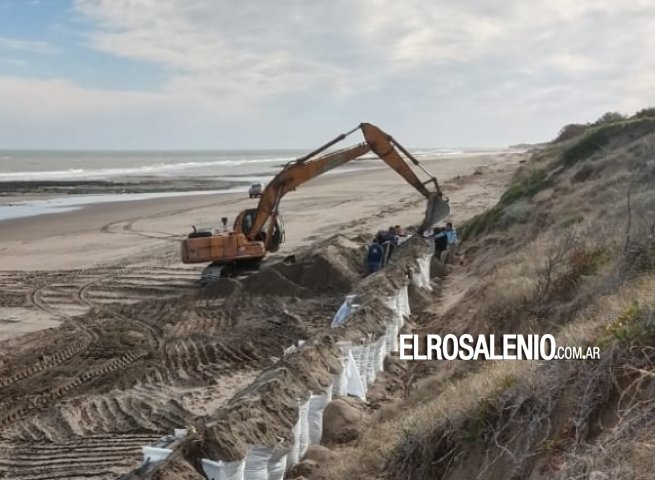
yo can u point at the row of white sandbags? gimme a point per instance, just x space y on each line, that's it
360 365
265 463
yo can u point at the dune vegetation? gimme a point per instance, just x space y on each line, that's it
569 249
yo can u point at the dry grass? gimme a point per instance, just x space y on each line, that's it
500 406
569 250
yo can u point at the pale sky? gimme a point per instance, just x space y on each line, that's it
205 74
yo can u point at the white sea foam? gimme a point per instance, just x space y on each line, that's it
156 169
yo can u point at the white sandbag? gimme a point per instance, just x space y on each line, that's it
340 382
257 463
328 393
380 348
361 354
294 455
154 454
371 364
393 302
345 310
357 351
404 303
277 464
392 334
366 356
304 428
421 276
219 470
180 432
317 404
354 384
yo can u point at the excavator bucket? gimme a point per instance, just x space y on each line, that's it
437 209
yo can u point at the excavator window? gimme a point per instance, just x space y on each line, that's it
248 220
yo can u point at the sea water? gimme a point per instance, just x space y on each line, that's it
227 166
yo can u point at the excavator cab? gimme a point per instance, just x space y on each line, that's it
245 221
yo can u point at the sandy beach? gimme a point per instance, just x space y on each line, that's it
118 232
108 341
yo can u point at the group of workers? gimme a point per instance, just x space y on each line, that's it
443 237
395 236
387 240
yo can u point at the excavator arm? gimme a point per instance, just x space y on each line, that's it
294 174
383 144
305 168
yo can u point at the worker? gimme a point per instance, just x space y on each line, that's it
400 235
385 236
375 258
451 233
440 241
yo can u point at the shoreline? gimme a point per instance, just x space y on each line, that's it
118 232
35 199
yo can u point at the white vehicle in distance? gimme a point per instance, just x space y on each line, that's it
255 190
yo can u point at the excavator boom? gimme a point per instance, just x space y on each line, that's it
292 175
305 168
382 144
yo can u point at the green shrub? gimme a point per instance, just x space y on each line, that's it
592 142
481 223
609 117
570 131
508 211
633 324
598 137
645 113
526 187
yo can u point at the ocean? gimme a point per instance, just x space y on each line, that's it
68 180
25 165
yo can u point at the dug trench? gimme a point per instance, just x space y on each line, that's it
139 351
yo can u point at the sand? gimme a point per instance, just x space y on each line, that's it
108 342
105 233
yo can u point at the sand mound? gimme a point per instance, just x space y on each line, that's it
320 454
265 412
369 319
332 266
381 284
314 463
410 250
342 420
306 470
177 469
272 281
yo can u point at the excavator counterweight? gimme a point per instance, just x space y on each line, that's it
258 231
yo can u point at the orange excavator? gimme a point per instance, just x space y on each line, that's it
259 230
